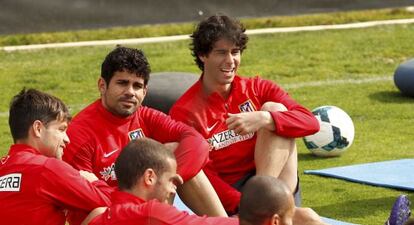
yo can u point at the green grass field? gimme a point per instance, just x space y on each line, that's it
337 59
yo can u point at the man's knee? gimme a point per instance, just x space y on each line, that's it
273 106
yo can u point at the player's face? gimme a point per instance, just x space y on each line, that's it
54 138
166 185
221 64
124 93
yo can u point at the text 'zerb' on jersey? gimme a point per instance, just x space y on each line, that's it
226 138
10 182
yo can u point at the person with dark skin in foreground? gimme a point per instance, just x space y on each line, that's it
266 200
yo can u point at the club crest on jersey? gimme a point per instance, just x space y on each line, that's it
135 134
108 172
247 106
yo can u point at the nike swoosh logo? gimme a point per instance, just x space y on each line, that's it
106 155
212 127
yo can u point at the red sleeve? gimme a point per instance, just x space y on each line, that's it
297 121
192 151
64 184
77 216
79 152
229 196
161 213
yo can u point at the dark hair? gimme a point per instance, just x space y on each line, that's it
138 156
210 30
262 197
31 105
125 59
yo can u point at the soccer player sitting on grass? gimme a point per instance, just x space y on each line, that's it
36 187
250 123
147 178
100 131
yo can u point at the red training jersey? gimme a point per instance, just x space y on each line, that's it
97 138
232 155
35 189
127 209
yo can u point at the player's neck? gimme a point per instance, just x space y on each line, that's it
210 87
138 192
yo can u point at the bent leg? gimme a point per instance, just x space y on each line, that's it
275 155
94 213
199 195
306 216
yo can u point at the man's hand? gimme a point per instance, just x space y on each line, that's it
171 146
248 122
88 176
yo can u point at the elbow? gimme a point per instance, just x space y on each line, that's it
314 125
194 161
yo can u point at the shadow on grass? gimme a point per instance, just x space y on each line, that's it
359 208
310 157
391 97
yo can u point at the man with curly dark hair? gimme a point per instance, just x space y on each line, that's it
100 131
250 123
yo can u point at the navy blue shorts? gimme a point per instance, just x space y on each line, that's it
240 183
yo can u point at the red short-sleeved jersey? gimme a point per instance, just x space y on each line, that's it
97 138
35 189
232 155
127 209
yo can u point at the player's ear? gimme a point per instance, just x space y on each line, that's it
102 85
202 58
276 220
150 177
36 128
145 90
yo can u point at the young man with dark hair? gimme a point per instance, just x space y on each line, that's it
36 187
100 131
250 123
147 178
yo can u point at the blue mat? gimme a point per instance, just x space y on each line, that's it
335 222
181 206
396 174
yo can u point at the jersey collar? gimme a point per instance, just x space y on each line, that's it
120 197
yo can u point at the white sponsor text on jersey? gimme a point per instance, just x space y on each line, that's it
10 182
226 138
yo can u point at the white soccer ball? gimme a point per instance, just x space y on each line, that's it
336 133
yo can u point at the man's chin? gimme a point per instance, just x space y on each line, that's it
125 111
124 114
